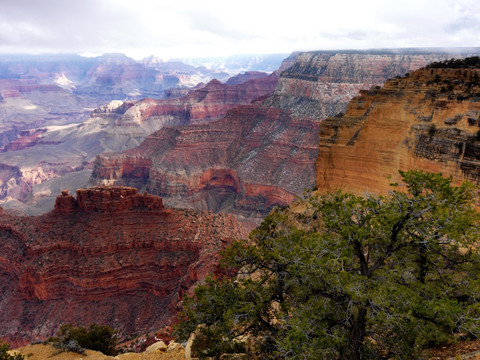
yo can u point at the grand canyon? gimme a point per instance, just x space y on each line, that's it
166 175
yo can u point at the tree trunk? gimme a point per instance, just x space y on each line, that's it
357 333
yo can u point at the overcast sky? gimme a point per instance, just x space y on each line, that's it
198 28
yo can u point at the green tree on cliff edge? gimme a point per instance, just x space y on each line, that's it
351 278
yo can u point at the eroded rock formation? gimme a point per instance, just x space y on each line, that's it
321 83
110 256
246 163
427 120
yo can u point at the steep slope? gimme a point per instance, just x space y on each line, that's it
52 152
110 256
428 119
260 155
321 83
248 162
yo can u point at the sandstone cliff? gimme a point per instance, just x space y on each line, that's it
260 155
110 256
428 119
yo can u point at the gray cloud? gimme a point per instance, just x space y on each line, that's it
64 25
202 20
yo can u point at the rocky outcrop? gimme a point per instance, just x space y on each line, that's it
207 103
428 119
110 256
107 199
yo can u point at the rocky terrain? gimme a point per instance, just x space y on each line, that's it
43 91
110 256
427 119
259 155
157 351
48 153
321 83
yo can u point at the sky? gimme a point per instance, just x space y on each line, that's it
202 28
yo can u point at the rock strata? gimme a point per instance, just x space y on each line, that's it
260 155
428 119
110 256
246 163
51 152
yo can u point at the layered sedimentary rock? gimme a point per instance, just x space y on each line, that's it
428 119
246 163
321 83
51 152
110 256
261 155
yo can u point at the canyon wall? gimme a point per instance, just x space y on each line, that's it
261 155
246 163
110 256
428 119
321 83
49 153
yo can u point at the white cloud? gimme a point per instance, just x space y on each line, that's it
213 27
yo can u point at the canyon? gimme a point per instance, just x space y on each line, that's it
260 155
427 119
49 154
110 255
124 257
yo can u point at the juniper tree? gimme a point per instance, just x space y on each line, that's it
352 277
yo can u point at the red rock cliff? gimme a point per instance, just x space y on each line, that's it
427 120
110 256
248 162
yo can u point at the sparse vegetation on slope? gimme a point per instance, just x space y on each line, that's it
352 278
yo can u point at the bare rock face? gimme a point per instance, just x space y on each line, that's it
246 163
428 119
110 256
321 83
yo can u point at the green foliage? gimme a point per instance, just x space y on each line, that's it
77 339
469 62
352 278
4 355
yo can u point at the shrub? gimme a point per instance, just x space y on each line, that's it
4 355
77 339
